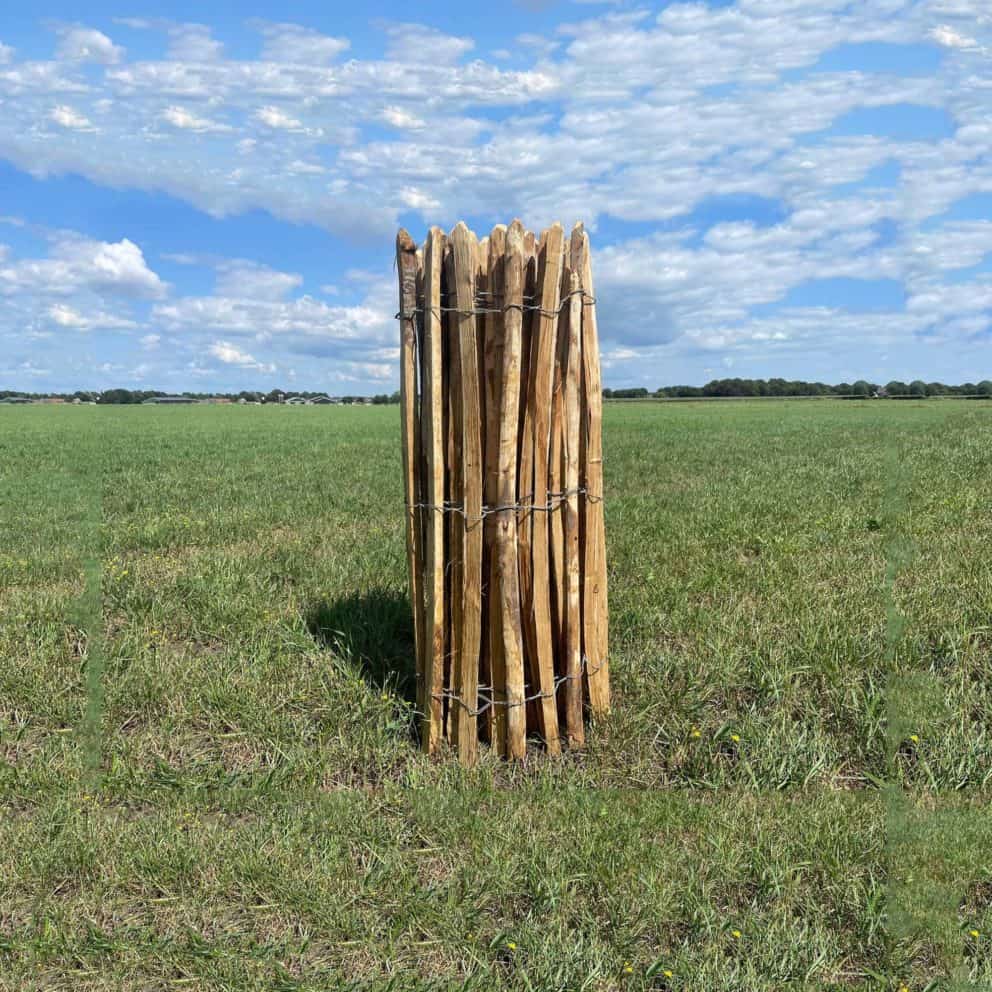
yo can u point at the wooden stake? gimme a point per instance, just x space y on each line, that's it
434 445
525 472
406 264
573 635
494 380
542 381
482 330
507 548
556 481
455 525
464 249
594 592
420 492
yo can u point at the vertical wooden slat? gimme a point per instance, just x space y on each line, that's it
507 547
573 636
482 330
494 383
525 472
406 265
556 483
420 481
432 401
542 380
455 523
594 591
464 250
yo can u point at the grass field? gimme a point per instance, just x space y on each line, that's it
207 774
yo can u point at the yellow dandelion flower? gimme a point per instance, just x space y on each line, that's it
736 738
628 968
695 732
511 946
915 738
974 933
667 974
736 934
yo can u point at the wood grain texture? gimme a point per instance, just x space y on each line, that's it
542 381
573 428
463 244
594 584
455 527
434 447
493 390
406 265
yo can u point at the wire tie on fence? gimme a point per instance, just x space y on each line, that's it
491 703
555 500
478 311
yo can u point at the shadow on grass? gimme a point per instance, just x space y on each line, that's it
375 630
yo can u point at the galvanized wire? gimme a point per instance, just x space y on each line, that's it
491 703
556 500
481 310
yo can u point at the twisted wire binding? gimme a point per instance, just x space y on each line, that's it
491 703
478 311
555 500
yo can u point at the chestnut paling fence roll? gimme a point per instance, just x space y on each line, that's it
501 399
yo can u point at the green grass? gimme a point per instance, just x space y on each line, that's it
205 631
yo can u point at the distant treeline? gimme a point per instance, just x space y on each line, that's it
797 387
717 388
128 396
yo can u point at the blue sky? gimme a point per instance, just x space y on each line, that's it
206 198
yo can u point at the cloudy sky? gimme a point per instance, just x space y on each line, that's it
774 187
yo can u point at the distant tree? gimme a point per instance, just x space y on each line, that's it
897 388
861 388
984 388
917 388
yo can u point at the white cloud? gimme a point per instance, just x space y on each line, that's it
150 342
6 53
277 119
182 118
230 354
82 44
79 264
68 118
299 45
949 38
417 199
242 279
68 317
401 118
193 43
419 43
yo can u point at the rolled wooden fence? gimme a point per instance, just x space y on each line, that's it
501 400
